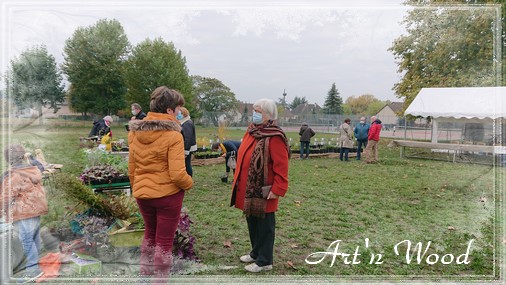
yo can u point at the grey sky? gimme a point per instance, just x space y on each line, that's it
256 48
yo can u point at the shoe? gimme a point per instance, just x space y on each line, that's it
254 268
247 258
29 276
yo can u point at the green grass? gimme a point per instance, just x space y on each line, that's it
398 199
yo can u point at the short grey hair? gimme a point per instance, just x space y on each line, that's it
268 106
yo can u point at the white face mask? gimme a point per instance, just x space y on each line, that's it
134 112
257 118
362 122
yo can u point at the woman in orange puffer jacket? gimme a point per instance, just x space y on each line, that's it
158 177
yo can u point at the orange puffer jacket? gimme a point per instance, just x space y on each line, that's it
22 195
156 165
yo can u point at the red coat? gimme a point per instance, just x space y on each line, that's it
374 131
278 171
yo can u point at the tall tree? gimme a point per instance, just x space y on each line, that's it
155 63
34 81
297 101
446 47
333 101
94 63
213 97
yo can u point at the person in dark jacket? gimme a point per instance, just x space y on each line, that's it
361 133
101 127
371 151
227 148
305 133
189 136
137 112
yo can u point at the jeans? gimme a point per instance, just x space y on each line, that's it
304 147
29 234
359 147
261 235
161 218
345 151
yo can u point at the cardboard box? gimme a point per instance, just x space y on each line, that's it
85 264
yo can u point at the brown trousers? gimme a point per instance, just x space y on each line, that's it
371 151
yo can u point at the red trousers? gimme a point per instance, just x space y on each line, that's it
161 218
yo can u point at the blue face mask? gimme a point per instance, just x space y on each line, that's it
179 116
257 118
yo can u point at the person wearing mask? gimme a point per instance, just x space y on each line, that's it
261 177
137 112
345 139
371 151
158 176
305 133
361 134
227 148
101 127
22 202
189 137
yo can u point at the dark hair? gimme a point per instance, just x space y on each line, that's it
215 145
347 120
14 154
164 98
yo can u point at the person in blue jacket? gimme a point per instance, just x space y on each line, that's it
361 134
227 148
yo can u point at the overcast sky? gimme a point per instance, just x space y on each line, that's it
255 48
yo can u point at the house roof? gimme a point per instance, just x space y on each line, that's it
287 114
462 102
249 107
396 107
305 109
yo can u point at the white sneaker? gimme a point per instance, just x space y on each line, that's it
247 258
255 268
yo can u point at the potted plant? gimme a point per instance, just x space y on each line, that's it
102 174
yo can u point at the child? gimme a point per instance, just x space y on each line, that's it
23 201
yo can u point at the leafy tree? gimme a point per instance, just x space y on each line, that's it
156 63
95 66
298 101
374 107
445 47
213 97
359 105
34 80
333 101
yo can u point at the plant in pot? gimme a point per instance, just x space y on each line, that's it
102 174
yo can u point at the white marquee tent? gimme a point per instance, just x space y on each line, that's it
466 104
462 102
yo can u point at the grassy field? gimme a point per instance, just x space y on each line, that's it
370 208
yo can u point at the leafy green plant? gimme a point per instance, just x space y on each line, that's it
74 189
96 157
102 174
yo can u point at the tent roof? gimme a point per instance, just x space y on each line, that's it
461 102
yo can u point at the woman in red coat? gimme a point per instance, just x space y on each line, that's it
261 176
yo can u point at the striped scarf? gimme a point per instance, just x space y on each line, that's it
254 203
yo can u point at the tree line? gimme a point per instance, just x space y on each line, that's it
443 47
